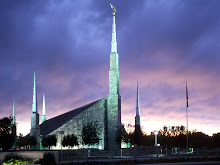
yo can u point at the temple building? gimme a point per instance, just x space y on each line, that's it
105 112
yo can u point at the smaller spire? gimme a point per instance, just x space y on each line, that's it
137 117
43 110
34 104
13 121
138 102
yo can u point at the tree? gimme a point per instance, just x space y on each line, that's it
7 135
122 135
138 136
31 140
20 141
172 136
26 141
70 141
216 140
49 141
148 140
199 140
90 134
176 136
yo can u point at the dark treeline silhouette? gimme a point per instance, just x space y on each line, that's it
7 133
69 141
174 136
25 142
49 141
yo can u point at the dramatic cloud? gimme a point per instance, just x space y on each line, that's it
161 44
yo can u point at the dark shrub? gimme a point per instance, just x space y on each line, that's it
48 159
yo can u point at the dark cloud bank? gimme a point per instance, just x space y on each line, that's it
67 43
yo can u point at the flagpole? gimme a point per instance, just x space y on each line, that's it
187 105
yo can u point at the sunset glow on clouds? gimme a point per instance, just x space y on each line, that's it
161 44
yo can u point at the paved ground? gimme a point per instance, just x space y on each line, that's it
148 161
181 163
191 163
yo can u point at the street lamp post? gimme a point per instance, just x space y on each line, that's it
61 133
155 133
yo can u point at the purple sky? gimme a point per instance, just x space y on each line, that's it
160 43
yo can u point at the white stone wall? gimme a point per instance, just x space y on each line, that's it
95 113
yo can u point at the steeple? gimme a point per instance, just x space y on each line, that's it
114 62
35 129
13 121
43 110
114 98
34 104
137 102
137 118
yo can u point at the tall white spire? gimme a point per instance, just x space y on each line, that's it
35 129
114 98
137 102
43 110
13 121
34 104
114 61
114 43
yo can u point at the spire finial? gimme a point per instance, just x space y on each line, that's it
113 43
114 9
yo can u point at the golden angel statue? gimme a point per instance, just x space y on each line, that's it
114 9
